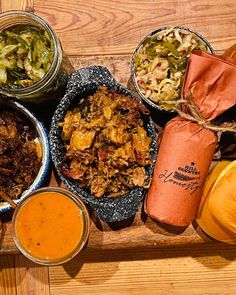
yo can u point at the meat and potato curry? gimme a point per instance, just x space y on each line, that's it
107 146
20 158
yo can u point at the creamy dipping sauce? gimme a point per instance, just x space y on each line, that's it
49 225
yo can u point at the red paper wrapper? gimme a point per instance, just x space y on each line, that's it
178 177
187 148
211 81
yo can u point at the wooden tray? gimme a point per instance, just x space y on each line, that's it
137 233
140 232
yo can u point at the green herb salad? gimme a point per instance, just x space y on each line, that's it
160 63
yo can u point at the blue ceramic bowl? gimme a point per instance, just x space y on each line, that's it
43 140
82 83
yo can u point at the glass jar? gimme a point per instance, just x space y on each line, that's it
44 225
53 84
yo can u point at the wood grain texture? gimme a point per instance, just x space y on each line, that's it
206 269
27 5
118 65
138 233
116 27
31 279
180 271
7 275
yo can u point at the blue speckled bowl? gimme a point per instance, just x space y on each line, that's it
82 83
43 139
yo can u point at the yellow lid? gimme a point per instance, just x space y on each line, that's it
210 180
215 215
222 199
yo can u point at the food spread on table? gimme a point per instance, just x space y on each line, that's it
107 146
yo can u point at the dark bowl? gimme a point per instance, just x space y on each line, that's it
82 83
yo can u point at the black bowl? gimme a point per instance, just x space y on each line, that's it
82 83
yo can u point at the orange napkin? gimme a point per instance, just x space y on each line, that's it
212 82
186 149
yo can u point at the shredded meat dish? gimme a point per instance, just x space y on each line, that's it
107 146
19 155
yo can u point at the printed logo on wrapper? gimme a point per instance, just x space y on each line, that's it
187 177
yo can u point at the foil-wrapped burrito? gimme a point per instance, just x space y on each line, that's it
187 148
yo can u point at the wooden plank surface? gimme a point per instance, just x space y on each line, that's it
115 27
26 5
31 279
183 271
19 276
140 233
7 275
205 270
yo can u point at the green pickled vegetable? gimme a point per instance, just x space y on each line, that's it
26 54
172 48
156 50
177 64
3 75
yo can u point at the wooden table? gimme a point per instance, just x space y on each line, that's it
105 33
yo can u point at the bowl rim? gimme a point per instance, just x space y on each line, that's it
151 34
42 134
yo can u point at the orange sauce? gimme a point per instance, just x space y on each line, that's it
49 225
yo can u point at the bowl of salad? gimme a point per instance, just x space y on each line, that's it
159 62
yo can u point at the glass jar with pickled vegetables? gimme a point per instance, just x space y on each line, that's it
33 67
